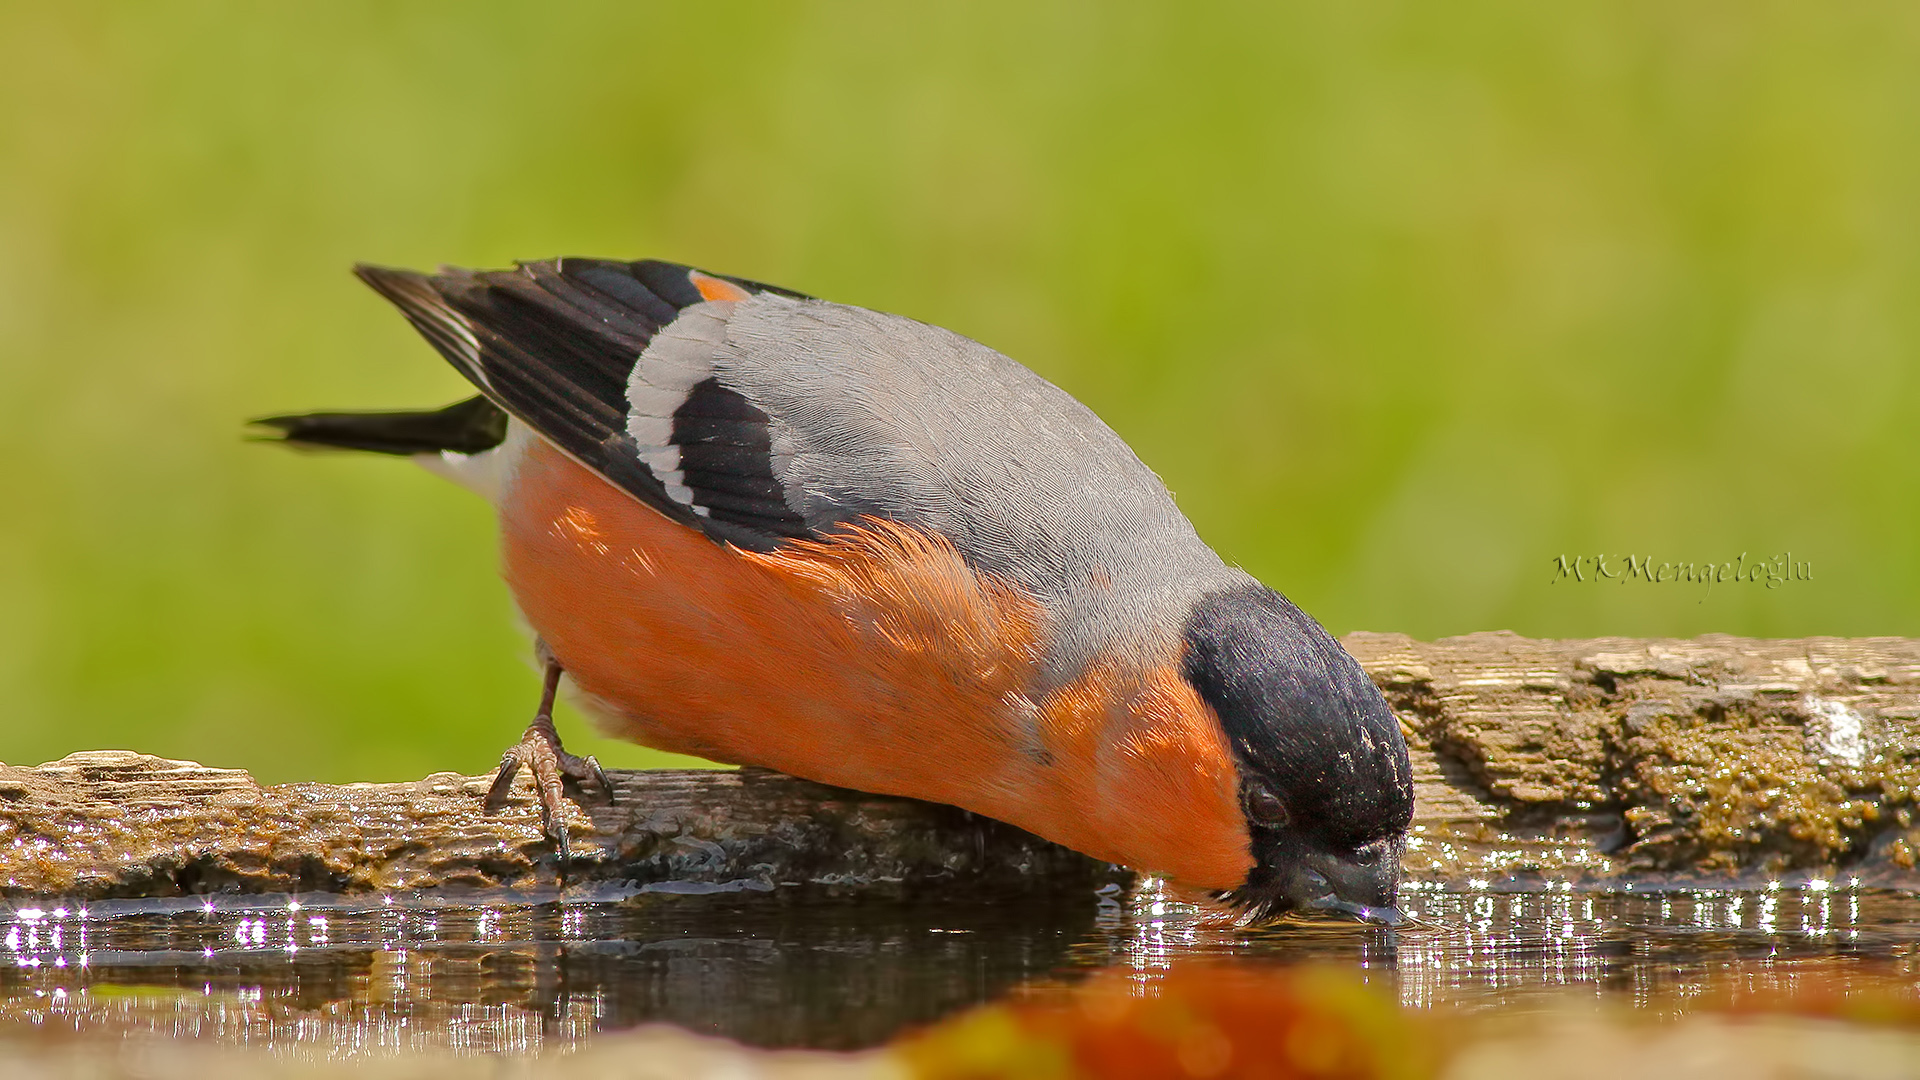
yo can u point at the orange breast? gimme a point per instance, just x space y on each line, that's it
876 660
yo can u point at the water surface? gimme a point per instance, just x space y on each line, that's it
515 974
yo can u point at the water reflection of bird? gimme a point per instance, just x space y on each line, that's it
766 529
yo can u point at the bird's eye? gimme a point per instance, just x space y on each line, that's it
1264 807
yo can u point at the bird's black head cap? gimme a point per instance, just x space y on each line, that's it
1325 783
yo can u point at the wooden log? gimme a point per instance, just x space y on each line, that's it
118 824
1714 761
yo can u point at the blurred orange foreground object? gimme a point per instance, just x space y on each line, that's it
1202 1020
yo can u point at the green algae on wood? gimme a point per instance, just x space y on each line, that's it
1713 761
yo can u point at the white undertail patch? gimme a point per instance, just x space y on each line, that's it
489 473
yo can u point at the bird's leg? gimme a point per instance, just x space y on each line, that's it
539 750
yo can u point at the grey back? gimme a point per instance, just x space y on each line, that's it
874 414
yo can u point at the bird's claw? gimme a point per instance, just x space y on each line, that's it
540 753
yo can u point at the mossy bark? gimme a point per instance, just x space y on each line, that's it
1720 760
1715 760
118 824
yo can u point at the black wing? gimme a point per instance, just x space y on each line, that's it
556 343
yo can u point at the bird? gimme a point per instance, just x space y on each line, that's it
771 530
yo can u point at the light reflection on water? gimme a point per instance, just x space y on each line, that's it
335 976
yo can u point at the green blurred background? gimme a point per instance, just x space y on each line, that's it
1402 299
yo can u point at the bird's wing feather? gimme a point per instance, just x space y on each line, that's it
759 416
600 358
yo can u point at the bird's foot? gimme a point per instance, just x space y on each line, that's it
540 753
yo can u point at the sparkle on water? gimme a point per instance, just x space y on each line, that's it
337 976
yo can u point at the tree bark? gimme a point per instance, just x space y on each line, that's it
1713 761
118 824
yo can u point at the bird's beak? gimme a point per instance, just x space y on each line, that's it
1364 883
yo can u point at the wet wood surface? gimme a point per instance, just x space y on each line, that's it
1715 760
118 824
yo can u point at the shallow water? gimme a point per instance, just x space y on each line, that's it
351 975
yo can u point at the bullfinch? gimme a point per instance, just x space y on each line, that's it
766 529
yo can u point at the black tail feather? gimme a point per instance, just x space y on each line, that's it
466 427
